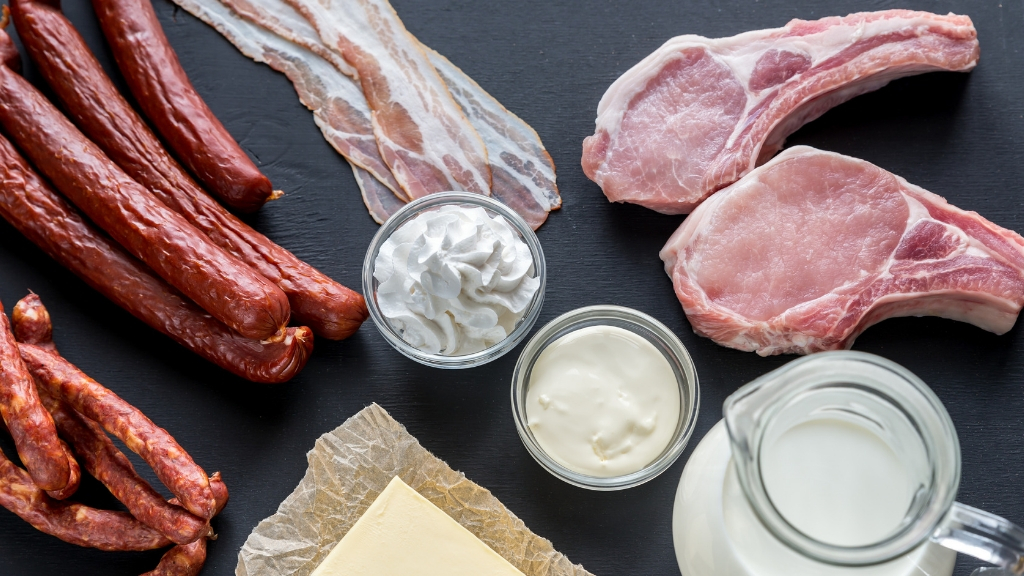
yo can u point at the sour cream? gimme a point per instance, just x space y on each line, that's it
455 280
602 401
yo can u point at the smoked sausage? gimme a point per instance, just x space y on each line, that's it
156 79
72 522
74 477
101 457
221 284
31 322
93 102
112 468
50 222
31 426
182 560
172 465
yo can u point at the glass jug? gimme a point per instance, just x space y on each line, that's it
879 396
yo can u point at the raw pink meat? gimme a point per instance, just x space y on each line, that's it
807 251
698 114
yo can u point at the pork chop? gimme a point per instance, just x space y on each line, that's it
807 251
699 113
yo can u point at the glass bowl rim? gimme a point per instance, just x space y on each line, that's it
413 209
689 390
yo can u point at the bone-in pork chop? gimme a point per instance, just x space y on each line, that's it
698 114
807 251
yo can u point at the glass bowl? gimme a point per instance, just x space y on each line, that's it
651 330
433 202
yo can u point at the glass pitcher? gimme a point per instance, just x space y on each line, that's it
878 395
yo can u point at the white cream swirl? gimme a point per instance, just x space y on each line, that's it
454 281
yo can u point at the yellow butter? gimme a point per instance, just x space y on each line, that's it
403 534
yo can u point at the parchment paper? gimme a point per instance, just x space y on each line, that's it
348 468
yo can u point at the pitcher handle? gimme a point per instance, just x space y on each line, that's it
983 535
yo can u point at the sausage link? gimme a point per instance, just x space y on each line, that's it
160 86
182 560
112 468
93 101
73 522
9 55
220 492
50 222
31 426
172 465
220 283
74 478
32 323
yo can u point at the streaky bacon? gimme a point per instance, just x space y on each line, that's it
523 173
699 113
421 132
338 105
807 251
380 201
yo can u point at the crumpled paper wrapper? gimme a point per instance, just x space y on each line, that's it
348 468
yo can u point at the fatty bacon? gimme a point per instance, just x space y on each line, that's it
421 132
338 105
271 31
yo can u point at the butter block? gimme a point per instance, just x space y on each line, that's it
403 534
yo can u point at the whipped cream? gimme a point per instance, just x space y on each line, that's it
454 280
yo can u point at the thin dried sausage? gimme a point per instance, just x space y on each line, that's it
182 560
112 468
92 100
172 465
31 426
153 74
73 522
101 457
74 478
50 222
31 322
220 283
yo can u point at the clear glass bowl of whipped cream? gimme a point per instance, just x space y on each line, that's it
454 279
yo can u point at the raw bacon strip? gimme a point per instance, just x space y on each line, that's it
379 200
699 113
280 18
522 171
523 174
807 251
97 107
29 204
421 132
172 465
72 522
338 105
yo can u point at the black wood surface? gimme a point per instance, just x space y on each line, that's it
961 136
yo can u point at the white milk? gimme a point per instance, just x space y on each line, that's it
717 533
836 482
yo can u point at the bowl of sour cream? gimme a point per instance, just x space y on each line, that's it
605 397
454 280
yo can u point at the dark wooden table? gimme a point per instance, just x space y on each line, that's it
961 136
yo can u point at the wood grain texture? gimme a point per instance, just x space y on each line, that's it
960 136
